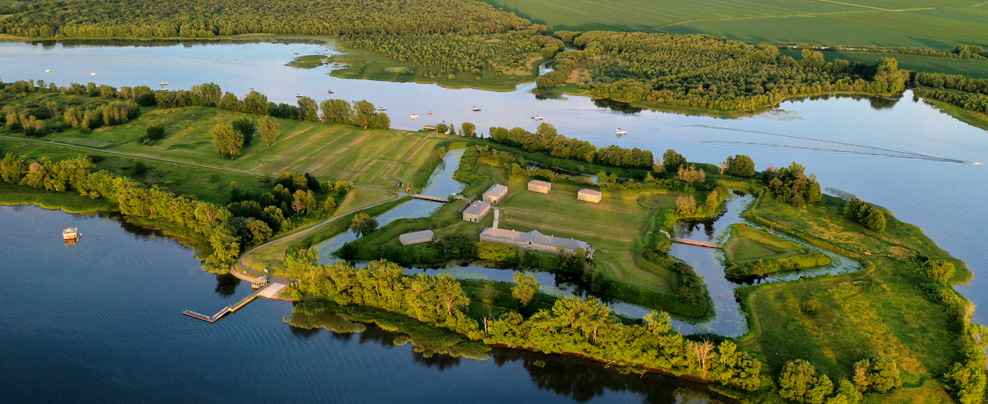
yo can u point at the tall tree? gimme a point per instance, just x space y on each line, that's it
268 127
308 110
337 112
363 113
227 141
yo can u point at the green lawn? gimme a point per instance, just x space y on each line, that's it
909 23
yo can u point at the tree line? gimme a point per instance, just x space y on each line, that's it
547 139
572 325
702 71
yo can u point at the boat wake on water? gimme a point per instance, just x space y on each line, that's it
864 149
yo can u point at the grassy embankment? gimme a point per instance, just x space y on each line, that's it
881 310
369 65
972 118
754 252
910 23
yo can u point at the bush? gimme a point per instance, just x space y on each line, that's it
154 132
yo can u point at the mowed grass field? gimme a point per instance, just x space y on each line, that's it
892 23
616 227
378 158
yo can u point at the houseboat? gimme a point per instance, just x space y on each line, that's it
71 233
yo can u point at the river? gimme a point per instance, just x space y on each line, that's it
899 153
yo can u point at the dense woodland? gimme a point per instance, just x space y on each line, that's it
964 92
702 71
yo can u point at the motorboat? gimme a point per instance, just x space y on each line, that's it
329 91
620 132
92 74
382 109
537 117
298 95
71 233
413 116
475 109
163 83
47 70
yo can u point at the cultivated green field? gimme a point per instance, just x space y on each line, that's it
910 23
966 67
329 152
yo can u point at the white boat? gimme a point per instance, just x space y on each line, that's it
71 233
537 117
413 116
329 91
163 83
620 131
298 95
47 70
475 108
92 74
977 164
382 109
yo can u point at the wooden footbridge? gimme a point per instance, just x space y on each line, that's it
430 198
266 290
691 242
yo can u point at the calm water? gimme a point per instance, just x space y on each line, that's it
100 321
902 154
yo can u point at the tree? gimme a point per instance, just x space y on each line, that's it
939 270
363 224
672 160
255 103
846 394
740 166
246 127
337 112
329 204
154 131
879 374
686 206
450 294
468 129
227 141
207 94
268 127
303 200
526 286
798 382
308 110
702 351
363 113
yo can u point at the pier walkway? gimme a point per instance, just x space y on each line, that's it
268 290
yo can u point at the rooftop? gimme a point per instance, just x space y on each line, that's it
586 191
534 237
496 189
477 208
539 183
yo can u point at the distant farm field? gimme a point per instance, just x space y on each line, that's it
887 23
966 67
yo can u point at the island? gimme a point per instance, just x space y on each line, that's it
254 186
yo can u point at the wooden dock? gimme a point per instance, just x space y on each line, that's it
231 308
430 198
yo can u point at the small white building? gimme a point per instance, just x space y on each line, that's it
476 211
541 187
418 237
589 195
495 193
